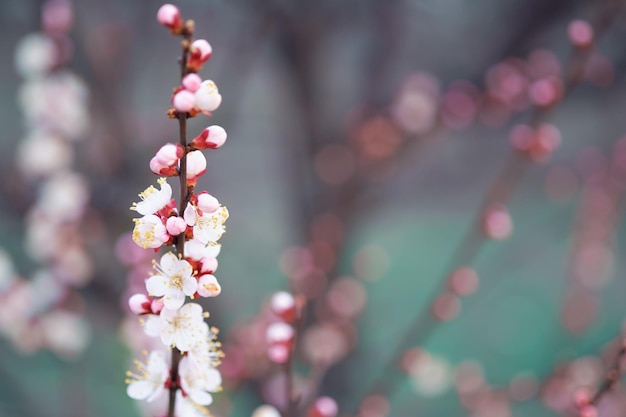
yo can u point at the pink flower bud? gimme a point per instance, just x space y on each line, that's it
278 353
156 306
582 397
547 140
57 16
212 137
169 154
162 169
192 82
175 225
201 47
463 281
284 306
196 165
521 137
140 304
184 101
497 223
199 52
208 286
580 33
207 203
545 92
279 332
169 16
323 407
208 265
208 97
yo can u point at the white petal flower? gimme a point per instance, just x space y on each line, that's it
210 226
205 352
173 282
208 286
150 232
196 164
196 250
199 381
153 200
184 327
208 97
149 384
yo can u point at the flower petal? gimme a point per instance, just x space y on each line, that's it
201 397
190 285
156 285
140 390
174 299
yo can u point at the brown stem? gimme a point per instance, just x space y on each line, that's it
612 376
185 194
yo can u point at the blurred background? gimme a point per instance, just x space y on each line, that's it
363 139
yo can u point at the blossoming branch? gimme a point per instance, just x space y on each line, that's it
191 228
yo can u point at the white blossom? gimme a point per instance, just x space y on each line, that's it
153 200
199 381
174 281
149 384
196 250
207 227
180 328
149 232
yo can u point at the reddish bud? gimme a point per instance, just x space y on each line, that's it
580 33
323 407
140 304
199 52
284 306
169 16
196 166
156 306
212 137
207 203
161 169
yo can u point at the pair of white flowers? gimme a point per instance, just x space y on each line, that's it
206 218
196 382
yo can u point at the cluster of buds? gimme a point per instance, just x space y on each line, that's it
536 144
45 312
192 227
280 335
